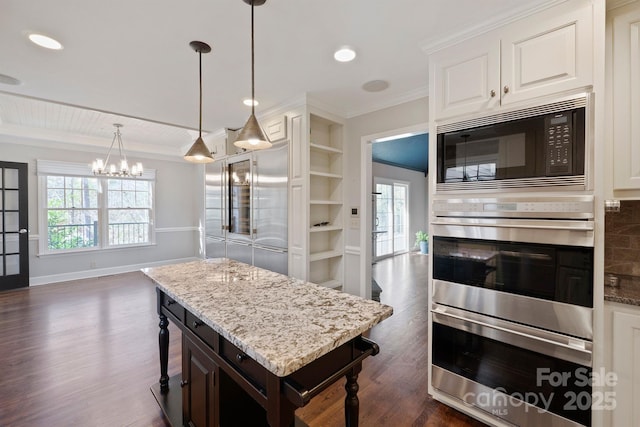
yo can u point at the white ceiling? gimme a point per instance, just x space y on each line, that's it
130 62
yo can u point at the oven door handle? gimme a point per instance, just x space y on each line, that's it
584 354
547 225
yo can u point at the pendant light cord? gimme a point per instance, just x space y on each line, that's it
200 122
253 96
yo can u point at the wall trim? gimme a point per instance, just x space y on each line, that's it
352 250
88 274
177 229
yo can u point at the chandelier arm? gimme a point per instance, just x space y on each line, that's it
123 153
106 162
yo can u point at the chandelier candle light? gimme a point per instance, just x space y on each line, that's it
252 137
104 168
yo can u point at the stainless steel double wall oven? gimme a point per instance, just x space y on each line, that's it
512 279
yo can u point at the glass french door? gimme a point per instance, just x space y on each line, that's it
391 221
14 234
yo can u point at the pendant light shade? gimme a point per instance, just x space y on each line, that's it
199 153
252 137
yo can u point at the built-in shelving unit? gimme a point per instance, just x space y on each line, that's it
326 228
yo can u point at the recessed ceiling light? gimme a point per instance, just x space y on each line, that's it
375 85
344 54
249 102
8 80
44 41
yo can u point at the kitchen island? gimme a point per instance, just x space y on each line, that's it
256 344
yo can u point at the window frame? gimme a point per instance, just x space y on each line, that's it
64 169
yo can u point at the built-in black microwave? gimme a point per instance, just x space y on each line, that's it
536 147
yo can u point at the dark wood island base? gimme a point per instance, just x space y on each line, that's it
220 385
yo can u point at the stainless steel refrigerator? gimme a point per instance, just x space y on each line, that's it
246 208
270 207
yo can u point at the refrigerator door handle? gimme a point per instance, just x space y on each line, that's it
264 248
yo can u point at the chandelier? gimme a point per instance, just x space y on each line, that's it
104 168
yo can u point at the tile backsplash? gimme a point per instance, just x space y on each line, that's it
622 239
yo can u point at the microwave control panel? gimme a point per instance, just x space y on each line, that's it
559 143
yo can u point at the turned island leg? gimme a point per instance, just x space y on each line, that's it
351 402
163 342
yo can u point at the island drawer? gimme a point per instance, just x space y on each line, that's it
202 331
173 306
244 364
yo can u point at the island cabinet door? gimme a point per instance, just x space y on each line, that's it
199 387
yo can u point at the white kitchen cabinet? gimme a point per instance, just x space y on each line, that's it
544 54
467 77
316 252
624 321
625 46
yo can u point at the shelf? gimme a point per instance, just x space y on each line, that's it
324 148
325 174
325 255
325 202
333 284
325 228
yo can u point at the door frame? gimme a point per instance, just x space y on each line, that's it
366 188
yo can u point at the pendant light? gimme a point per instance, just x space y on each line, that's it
252 137
122 169
199 153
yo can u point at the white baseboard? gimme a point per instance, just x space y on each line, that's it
97 272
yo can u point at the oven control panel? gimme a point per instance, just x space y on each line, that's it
578 207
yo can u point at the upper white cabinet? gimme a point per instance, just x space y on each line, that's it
466 77
625 49
547 53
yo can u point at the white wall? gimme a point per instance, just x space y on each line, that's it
178 204
405 115
418 197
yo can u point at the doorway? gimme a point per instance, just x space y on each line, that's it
14 234
391 218
367 188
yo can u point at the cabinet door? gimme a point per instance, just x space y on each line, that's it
549 53
466 77
199 392
626 364
626 98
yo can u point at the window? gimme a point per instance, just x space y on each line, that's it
87 212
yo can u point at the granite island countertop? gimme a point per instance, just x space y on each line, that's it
281 322
628 291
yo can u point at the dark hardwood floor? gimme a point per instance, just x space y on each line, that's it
84 353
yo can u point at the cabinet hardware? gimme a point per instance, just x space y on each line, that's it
241 357
506 89
170 302
183 383
492 93
197 323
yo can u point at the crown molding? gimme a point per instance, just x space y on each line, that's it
419 93
614 4
434 45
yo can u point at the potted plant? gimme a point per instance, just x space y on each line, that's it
422 241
